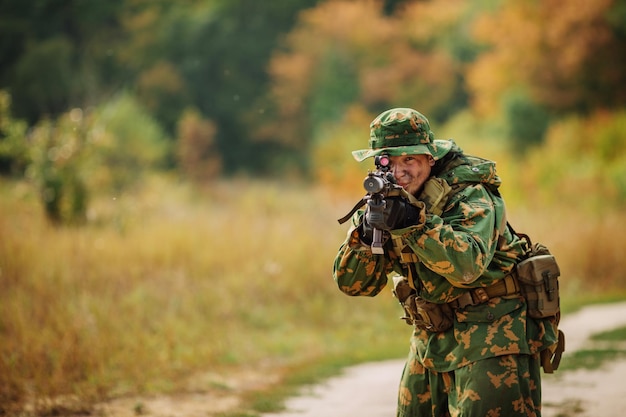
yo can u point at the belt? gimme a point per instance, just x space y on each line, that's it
506 286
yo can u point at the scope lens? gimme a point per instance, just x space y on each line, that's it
373 184
383 160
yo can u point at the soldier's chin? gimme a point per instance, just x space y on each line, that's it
412 189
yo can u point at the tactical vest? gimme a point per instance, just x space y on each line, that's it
438 192
535 277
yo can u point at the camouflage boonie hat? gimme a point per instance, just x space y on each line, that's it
402 131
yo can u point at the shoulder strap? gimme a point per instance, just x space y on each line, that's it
357 206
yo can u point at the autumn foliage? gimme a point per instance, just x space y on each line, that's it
524 65
567 55
344 52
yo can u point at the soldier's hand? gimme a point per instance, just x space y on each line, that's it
366 232
397 214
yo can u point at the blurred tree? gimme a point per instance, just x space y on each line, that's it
48 91
527 121
56 54
568 56
344 52
331 162
209 54
584 158
14 154
390 6
222 52
336 86
128 142
163 92
443 33
197 156
152 44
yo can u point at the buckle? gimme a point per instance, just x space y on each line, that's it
408 257
463 301
481 295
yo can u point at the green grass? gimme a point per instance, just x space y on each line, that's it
590 359
615 335
597 354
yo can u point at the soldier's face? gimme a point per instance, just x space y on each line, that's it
411 171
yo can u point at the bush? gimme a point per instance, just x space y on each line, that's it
60 160
582 162
108 150
128 142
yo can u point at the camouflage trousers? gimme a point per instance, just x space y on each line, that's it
504 386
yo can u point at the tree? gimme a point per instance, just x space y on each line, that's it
527 122
221 52
568 56
14 155
56 55
197 156
343 52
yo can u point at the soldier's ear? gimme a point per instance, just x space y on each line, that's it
431 161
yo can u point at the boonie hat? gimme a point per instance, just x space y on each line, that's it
402 131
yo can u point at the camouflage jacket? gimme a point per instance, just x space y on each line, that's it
467 245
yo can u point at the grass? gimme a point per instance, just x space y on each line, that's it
173 281
615 335
603 347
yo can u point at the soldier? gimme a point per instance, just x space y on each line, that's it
452 258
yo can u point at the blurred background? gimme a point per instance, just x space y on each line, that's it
171 174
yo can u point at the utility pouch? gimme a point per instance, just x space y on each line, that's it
434 317
435 195
419 312
538 278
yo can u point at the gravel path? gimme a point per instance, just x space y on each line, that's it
370 390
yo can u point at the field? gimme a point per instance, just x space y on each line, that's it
172 281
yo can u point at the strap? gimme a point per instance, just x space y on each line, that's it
506 286
521 235
408 258
411 277
551 358
357 206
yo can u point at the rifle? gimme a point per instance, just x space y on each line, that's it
378 184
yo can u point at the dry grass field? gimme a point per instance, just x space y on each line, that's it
173 281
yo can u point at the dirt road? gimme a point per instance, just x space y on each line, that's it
370 390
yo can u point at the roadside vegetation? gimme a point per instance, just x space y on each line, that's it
170 280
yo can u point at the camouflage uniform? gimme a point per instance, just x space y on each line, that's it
487 363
